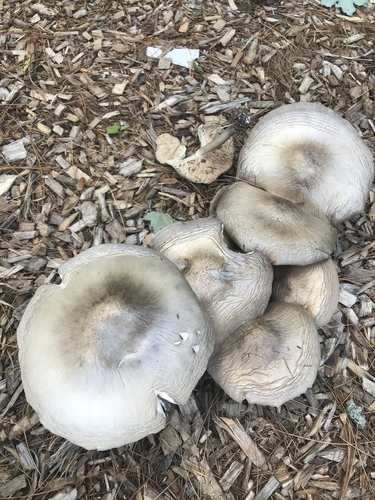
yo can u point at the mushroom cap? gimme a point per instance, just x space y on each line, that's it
99 352
308 154
206 168
316 287
269 360
234 287
285 232
169 149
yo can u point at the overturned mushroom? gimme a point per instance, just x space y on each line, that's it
316 287
308 154
285 232
101 351
214 158
234 287
269 360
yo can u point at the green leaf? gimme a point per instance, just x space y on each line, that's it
115 129
158 220
347 6
27 63
198 68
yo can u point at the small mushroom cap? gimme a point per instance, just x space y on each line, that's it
269 360
99 352
308 154
169 149
234 287
316 287
207 168
285 232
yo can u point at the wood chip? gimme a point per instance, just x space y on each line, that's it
9 489
244 441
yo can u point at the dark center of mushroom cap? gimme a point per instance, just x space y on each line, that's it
114 321
306 159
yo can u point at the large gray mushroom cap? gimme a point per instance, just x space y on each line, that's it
285 232
100 352
316 287
269 360
234 287
308 154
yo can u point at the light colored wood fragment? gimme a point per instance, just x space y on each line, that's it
71 495
346 298
232 5
184 26
58 130
219 25
25 457
9 489
72 118
305 85
333 454
230 475
24 235
15 151
55 186
6 182
224 40
244 441
62 162
268 489
77 173
206 479
119 88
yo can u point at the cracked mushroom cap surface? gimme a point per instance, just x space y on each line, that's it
270 360
284 231
308 154
234 287
101 351
201 167
316 287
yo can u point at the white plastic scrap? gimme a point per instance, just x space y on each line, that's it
182 56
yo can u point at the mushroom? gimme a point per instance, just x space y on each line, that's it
308 154
316 287
284 231
214 158
269 360
234 287
100 352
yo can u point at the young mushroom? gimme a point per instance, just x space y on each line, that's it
269 360
308 154
234 287
100 352
284 231
214 157
316 287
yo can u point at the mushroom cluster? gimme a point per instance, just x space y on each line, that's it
240 293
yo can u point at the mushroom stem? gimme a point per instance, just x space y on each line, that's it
217 142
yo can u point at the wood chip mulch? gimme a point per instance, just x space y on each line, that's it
68 71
